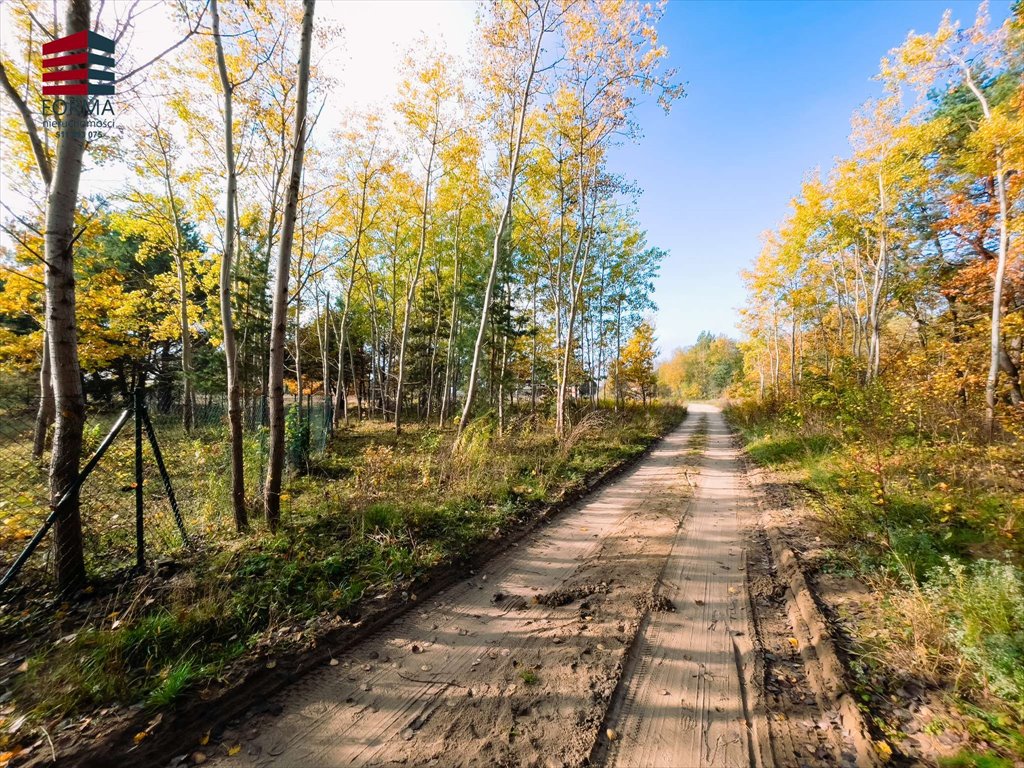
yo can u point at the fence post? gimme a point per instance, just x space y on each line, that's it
58 508
164 475
140 545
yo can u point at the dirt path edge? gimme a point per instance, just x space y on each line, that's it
826 671
182 727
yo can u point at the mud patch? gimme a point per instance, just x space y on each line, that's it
652 603
570 594
510 602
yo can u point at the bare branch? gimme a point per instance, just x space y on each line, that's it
192 31
42 161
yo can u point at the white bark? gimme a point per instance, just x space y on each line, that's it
226 265
506 214
275 468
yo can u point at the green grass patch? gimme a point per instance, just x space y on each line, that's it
529 677
933 523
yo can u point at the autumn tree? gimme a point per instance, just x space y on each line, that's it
429 104
971 55
515 35
702 371
636 367
275 467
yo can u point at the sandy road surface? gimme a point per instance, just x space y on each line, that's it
530 661
684 699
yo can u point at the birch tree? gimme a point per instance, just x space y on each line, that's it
516 34
279 320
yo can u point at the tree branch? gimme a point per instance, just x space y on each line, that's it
42 161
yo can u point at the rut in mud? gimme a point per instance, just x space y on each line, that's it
618 634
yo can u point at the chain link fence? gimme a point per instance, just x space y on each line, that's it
195 453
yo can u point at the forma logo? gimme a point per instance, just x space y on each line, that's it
71 65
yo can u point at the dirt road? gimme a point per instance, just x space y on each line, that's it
618 634
685 699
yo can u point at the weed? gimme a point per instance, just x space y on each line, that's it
974 760
529 677
174 681
986 605
931 522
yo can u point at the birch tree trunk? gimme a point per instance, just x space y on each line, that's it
563 384
506 213
877 289
450 352
188 396
275 467
341 400
45 414
226 266
411 293
62 334
434 344
995 336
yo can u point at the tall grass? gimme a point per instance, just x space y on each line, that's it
933 523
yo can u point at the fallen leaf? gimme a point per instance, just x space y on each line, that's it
612 734
234 750
884 750
205 739
334 662
794 642
139 737
271 664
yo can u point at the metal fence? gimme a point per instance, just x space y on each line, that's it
196 460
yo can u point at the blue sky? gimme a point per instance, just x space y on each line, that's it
771 87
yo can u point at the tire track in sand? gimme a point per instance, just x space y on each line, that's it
684 696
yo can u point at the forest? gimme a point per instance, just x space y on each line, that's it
463 249
884 331
414 477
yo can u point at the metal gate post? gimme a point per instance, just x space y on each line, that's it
140 545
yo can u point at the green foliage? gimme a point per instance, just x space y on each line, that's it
529 677
932 523
986 604
786 449
297 438
175 680
393 513
974 760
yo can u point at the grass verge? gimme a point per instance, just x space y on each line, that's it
932 525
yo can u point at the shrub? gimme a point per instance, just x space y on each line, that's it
986 605
296 438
